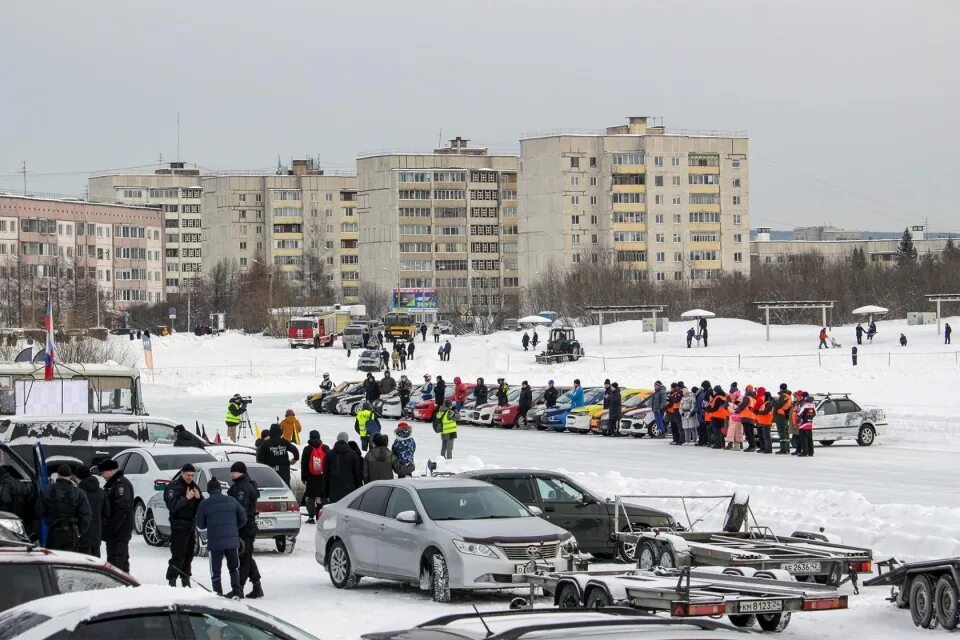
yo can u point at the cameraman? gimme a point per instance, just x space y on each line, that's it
235 410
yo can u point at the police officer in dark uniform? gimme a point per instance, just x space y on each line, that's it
65 508
118 528
182 498
244 490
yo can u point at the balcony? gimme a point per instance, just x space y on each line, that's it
629 188
705 208
629 246
288 252
630 207
629 168
703 188
704 226
288 236
703 170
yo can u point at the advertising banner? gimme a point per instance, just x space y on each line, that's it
414 299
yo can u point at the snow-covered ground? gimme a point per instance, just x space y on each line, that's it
901 496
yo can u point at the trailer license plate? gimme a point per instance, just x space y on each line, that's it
802 567
266 523
761 606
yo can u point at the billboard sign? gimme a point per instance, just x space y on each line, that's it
414 299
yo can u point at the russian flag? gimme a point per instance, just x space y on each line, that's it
48 356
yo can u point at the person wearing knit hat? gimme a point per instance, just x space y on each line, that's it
343 436
312 463
404 449
182 497
343 469
782 406
91 539
66 510
245 492
222 517
119 524
290 427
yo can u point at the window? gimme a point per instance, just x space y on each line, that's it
575 200
660 238
661 276
405 247
658 181
661 256
736 183
593 200
735 164
511 282
400 500
678 256
447 265
594 238
631 256
575 258
737 238
593 181
575 181
676 238
678 275
449 176
703 217
629 158
658 161
574 162
658 218
413 176
414 194
675 162
483 194
451 231
705 236
630 218
485 265
736 200
292 212
286 194
142 625
575 238
21 583
629 236
704 254
373 501
416 212
353 260
448 194
71 579
593 162
737 220
677 218
557 490
629 198
658 199
703 178
704 198
675 180
484 247
594 219
738 257
629 178
414 229
574 220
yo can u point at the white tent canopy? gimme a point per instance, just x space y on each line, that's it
870 310
534 320
697 313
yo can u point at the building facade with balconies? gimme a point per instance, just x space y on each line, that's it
667 205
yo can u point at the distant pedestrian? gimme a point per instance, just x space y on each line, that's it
423 335
343 469
614 409
385 358
311 472
395 359
947 330
410 349
436 333
118 528
871 331
525 341
445 423
702 323
806 412
380 338
290 427
658 406
404 388
525 401
402 357
535 340
689 415
439 391
903 340
859 332
823 339
446 350
404 448
275 452
690 335
378 463
90 540
222 517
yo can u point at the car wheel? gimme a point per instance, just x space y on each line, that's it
945 603
921 602
285 544
568 597
340 567
826 443
200 550
866 436
742 620
317 406
439 579
598 599
774 622
139 515
668 559
521 422
151 534
626 550
648 554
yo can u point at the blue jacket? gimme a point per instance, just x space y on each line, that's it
576 398
222 517
698 405
404 449
427 391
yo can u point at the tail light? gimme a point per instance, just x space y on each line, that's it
865 566
824 604
269 507
293 506
686 609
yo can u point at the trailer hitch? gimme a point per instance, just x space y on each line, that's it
853 578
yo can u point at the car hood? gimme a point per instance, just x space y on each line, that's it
635 510
505 530
590 409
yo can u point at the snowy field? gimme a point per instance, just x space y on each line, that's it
900 497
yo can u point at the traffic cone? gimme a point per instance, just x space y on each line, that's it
217 439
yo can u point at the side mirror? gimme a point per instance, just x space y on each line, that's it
408 517
536 511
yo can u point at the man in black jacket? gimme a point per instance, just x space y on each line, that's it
274 451
614 406
66 510
183 438
480 393
244 490
525 401
118 528
182 498
99 509
371 388
439 391
550 395
343 470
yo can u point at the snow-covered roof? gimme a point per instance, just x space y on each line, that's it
84 605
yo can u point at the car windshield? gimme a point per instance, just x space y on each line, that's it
513 395
171 461
12 624
264 477
370 354
635 400
470 503
301 324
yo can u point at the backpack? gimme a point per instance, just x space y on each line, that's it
315 462
437 423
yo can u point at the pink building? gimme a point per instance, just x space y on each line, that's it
118 246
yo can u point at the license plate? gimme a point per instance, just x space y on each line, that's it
802 567
761 606
525 568
266 523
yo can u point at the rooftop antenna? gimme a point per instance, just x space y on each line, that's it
178 135
23 170
439 140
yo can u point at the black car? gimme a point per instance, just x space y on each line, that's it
570 506
330 401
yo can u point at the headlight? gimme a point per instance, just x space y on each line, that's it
474 549
569 546
15 527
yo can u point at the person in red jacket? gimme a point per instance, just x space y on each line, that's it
459 393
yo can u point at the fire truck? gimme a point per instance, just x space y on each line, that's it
312 331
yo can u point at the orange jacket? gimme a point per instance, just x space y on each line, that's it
718 406
291 429
765 414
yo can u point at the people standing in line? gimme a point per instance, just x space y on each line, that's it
404 388
343 470
718 415
806 412
480 392
426 390
550 395
275 452
671 413
244 490
689 415
576 397
118 529
446 350
764 411
222 517
781 416
525 401
439 391
291 427
699 410
459 393
364 423
614 410
691 332
947 330
445 423
182 497
748 419
99 512
436 333
410 349
525 341
859 332
823 339
404 450
535 340
658 406
503 390
379 462
734 437
388 384
311 472
235 411
66 510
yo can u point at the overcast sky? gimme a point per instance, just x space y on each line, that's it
851 107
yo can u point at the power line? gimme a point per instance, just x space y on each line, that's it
73 173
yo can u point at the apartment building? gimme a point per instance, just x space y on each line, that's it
176 190
671 205
284 219
839 247
446 220
118 247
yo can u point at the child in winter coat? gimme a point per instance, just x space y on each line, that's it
404 449
689 415
378 463
734 435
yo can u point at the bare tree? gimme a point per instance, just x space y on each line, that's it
317 289
375 298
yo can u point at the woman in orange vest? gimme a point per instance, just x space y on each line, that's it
764 411
718 416
748 419
673 413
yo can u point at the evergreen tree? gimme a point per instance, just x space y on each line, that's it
906 252
951 253
859 259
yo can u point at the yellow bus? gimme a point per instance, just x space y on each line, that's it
399 325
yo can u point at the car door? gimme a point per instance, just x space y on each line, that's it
826 423
520 487
849 417
364 517
398 553
137 471
569 507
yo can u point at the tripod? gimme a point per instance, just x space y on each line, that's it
245 426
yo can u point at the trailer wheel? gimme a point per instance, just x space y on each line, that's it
648 554
569 597
743 620
921 602
598 599
775 622
626 550
668 559
945 603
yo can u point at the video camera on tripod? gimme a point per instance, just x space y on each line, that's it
245 400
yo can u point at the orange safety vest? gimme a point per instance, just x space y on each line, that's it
747 413
785 409
765 415
720 410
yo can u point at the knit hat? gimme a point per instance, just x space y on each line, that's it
783 386
314 435
549 381
214 486
64 471
289 413
188 468
343 436
108 465
238 467
82 473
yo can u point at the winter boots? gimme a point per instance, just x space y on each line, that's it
256 592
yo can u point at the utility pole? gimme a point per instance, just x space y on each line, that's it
178 136
23 170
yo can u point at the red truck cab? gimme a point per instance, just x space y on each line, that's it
312 331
